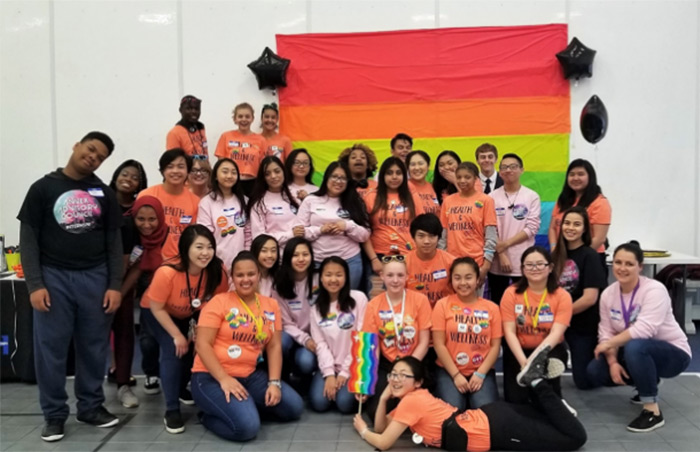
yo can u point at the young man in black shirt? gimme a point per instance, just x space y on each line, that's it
72 260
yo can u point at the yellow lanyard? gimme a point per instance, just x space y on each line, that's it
536 317
260 334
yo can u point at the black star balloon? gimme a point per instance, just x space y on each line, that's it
576 60
270 69
594 120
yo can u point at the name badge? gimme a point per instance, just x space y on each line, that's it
439 274
615 314
500 211
546 318
295 305
385 315
400 209
136 253
245 145
97 192
230 212
185 219
277 210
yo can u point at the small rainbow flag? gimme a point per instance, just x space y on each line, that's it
365 363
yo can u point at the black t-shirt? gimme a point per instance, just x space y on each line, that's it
71 219
583 270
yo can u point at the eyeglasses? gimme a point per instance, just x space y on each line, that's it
301 164
535 265
200 157
398 377
393 258
200 171
513 167
338 179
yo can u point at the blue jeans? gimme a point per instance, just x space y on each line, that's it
581 346
344 400
174 371
446 390
240 420
76 312
645 360
304 360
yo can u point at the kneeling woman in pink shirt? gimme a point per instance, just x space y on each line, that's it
335 221
338 313
639 339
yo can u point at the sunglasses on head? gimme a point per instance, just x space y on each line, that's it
393 258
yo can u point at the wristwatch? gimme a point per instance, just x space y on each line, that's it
277 383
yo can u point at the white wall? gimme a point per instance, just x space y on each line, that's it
68 67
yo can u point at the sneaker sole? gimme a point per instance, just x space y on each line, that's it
130 405
111 423
52 438
187 402
555 367
650 429
636 402
173 431
525 370
151 391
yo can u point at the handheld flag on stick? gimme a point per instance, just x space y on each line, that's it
365 364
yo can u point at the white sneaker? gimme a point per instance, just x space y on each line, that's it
570 408
151 385
127 397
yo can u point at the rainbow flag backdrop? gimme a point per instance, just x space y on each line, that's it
449 88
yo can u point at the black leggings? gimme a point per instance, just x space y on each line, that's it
512 391
524 427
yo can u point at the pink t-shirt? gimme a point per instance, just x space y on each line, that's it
295 312
316 211
226 219
333 335
273 215
651 315
523 216
308 188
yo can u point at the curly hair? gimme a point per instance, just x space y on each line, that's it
372 162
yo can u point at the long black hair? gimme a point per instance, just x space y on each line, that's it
552 282
284 279
256 248
633 247
417 369
380 202
260 188
567 197
560 254
349 199
289 164
237 189
143 180
212 271
440 184
346 302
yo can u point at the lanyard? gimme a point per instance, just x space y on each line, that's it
627 310
260 334
194 302
536 317
397 323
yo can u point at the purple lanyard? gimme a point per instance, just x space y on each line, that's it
627 311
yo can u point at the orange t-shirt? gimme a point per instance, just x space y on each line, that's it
415 318
468 330
246 150
180 211
557 307
465 220
391 227
599 212
169 287
235 345
194 143
424 414
424 195
278 146
371 186
431 278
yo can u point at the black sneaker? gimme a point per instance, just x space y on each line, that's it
173 422
151 385
636 400
99 417
112 378
53 430
535 368
186 397
646 422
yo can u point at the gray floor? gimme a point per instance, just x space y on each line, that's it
604 412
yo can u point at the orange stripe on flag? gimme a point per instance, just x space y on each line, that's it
479 117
